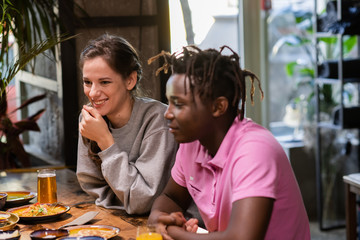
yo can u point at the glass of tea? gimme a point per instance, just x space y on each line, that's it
46 186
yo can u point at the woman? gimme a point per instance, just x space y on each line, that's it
125 151
235 171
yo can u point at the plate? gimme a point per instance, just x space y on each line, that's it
20 211
11 222
93 230
17 198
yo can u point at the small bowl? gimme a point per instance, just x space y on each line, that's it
47 234
10 234
83 238
4 218
3 197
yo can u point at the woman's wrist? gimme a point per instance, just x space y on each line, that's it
106 142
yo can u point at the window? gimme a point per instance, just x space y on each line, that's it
209 23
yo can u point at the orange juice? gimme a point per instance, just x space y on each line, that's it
46 186
149 236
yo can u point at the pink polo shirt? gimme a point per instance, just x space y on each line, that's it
249 163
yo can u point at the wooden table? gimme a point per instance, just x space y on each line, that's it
71 194
352 188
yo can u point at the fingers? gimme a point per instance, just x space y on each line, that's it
175 218
179 219
161 228
192 225
92 111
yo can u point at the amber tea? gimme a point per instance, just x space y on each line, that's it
46 186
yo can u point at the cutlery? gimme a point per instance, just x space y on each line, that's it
82 219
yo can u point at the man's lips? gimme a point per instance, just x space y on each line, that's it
172 128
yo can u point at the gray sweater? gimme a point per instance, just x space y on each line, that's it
136 168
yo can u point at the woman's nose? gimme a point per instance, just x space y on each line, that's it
94 91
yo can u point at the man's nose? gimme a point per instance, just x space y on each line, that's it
168 113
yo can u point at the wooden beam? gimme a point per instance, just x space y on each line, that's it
118 21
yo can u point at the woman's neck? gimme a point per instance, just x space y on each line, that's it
122 117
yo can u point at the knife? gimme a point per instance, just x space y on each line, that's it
82 219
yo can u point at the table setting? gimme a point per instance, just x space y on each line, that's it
58 210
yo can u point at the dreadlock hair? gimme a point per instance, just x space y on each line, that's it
122 57
212 75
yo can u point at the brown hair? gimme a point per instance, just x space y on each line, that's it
212 75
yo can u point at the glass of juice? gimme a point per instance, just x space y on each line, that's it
147 233
46 186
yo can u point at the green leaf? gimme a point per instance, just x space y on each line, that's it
349 43
290 68
328 40
307 72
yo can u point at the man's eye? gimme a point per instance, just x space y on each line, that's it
177 104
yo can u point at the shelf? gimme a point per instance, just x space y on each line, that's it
334 69
350 69
330 34
328 125
336 80
326 35
351 116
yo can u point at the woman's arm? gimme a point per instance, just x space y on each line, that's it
249 220
137 183
130 184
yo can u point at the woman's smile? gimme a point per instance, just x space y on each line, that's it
98 103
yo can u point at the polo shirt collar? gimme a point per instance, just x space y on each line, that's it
220 158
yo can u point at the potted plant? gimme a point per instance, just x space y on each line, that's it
335 147
33 26
302 71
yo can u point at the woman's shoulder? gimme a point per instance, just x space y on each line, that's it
149 111
146 103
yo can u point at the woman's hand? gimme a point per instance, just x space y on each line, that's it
94 127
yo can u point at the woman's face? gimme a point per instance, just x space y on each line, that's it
105 88
189 119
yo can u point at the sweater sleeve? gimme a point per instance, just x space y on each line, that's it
89 174
137 184
129 184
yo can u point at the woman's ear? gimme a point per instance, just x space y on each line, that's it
220 106
131 81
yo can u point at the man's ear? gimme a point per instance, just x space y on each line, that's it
131 81
220 106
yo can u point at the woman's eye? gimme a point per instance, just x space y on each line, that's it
105 82
86 82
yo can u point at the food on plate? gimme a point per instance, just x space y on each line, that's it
16 198
38 209
104 232
48 234
10 234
